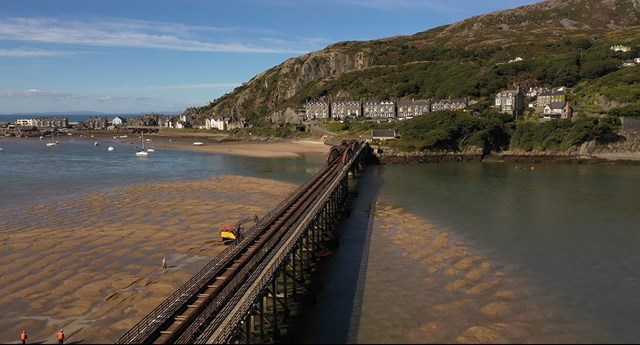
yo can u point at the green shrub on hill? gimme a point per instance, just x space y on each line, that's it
455 131
562 134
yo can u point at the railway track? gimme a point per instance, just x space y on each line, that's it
202 303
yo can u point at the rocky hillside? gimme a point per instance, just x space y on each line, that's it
562 42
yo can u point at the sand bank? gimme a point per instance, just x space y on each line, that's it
294 148
221 145
92 265
428 285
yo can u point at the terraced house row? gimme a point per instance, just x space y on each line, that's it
378 109
547 103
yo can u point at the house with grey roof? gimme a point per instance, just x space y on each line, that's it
342 109
317 109
379 109
510 102
410 108
557 110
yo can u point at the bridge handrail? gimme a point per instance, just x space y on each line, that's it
226 334
178 298
270 266
230 290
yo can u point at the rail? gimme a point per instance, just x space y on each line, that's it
250 257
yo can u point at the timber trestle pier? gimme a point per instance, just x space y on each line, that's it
244 294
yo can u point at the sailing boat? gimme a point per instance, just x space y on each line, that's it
142 152
52 142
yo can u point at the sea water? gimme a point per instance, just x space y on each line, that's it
31 172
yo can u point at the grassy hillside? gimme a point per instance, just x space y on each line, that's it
561 43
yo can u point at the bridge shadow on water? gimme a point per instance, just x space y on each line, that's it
332 317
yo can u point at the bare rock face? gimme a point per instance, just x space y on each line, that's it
587 148
279 84
287 116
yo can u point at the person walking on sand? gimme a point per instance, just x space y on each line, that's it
61 337
23 337
164 263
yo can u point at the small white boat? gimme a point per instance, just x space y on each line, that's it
110 148
198 143
52 142
142 152
151 150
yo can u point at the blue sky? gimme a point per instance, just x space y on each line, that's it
130 56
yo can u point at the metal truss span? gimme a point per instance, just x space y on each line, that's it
243 294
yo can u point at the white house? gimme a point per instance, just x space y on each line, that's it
117 121
217 123
620 48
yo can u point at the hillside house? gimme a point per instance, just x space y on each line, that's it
620 48
410 108
556 95
379 109
448 104
317 109
342 109
557 110
216 122
510 102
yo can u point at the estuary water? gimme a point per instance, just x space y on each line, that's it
565 237
31 172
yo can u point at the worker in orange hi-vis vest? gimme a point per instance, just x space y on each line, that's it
23 337
61 337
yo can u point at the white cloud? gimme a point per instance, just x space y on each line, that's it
32 53
35 93
188 86
137 34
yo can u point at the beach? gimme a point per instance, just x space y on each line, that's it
92 265
222 145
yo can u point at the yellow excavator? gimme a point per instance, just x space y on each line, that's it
231 233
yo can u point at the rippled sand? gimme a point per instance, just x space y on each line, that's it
92 265
424 285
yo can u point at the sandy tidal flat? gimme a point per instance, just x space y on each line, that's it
263 149
92 265
427 285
